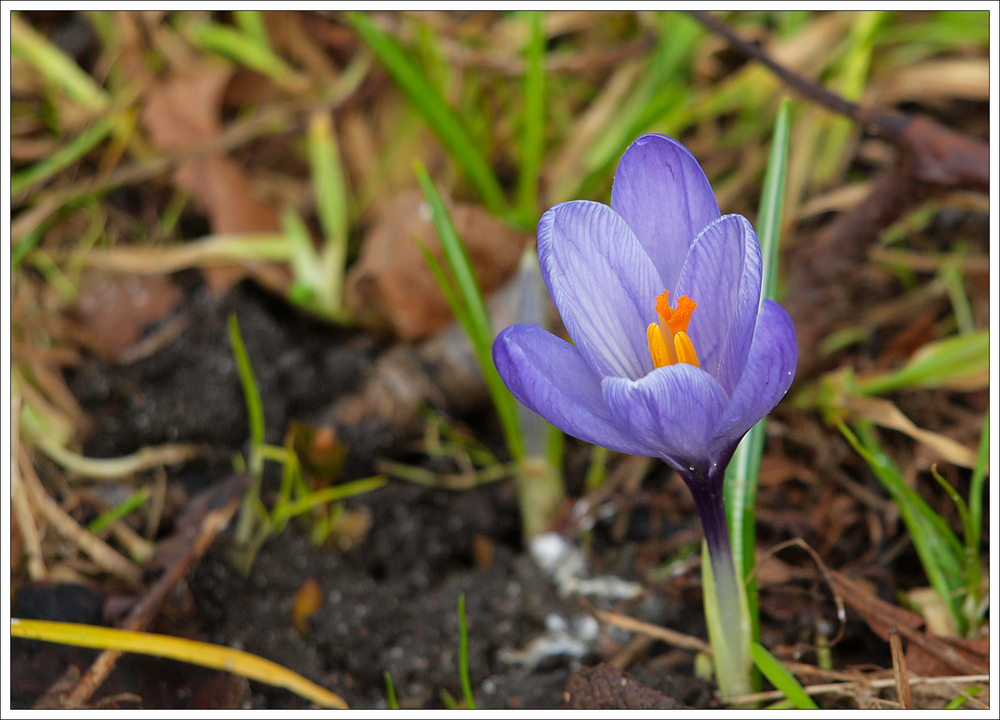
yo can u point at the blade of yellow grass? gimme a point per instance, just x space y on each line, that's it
207 655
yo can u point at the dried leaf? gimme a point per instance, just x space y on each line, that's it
885 413
184 113
114 310
391 283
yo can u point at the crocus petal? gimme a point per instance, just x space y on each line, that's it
664 196
736 346
551 377
603 284
769 371
673 410
722 275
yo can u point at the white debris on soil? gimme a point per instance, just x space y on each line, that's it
565 565
575 639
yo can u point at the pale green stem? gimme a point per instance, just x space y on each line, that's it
726 611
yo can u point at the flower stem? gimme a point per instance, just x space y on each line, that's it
726 610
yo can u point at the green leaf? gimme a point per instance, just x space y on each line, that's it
939 550
132 502
740 485
958 362
783 680
251 393
463 655
533 137
62 158
241 48
390 691
57 67
434 109
469 307
331 200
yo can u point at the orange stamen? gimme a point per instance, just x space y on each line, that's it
668 341
685 350
658 348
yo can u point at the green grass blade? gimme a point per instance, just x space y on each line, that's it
390 691
255 418
474 318
434 109
458 308
134 501
57 67
533 138
62 158
327 495
251 393
463 655
772 201
978 478
973 537
740 486
781 678
958 702
955 362
331 202
251 23
239 47
941 554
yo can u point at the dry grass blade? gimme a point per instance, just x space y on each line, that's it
19 504
672 637
899 670
850 689
106 557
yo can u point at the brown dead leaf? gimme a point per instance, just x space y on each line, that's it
930 664
114 310
184 113
878 614
926 654
391 283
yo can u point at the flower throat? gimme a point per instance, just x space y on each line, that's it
669 343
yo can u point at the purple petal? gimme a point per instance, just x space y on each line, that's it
722 275
603 284
736 346
664 196
770 369
673 410
551 377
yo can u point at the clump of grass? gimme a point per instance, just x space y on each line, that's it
255 524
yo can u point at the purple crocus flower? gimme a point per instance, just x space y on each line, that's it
675 356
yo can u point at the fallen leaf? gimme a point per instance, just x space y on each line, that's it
114 310
926 654
391 283
184 113
930 664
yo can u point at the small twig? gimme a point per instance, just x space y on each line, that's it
899 669
671 637
849 688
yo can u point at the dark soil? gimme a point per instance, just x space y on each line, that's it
390 603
